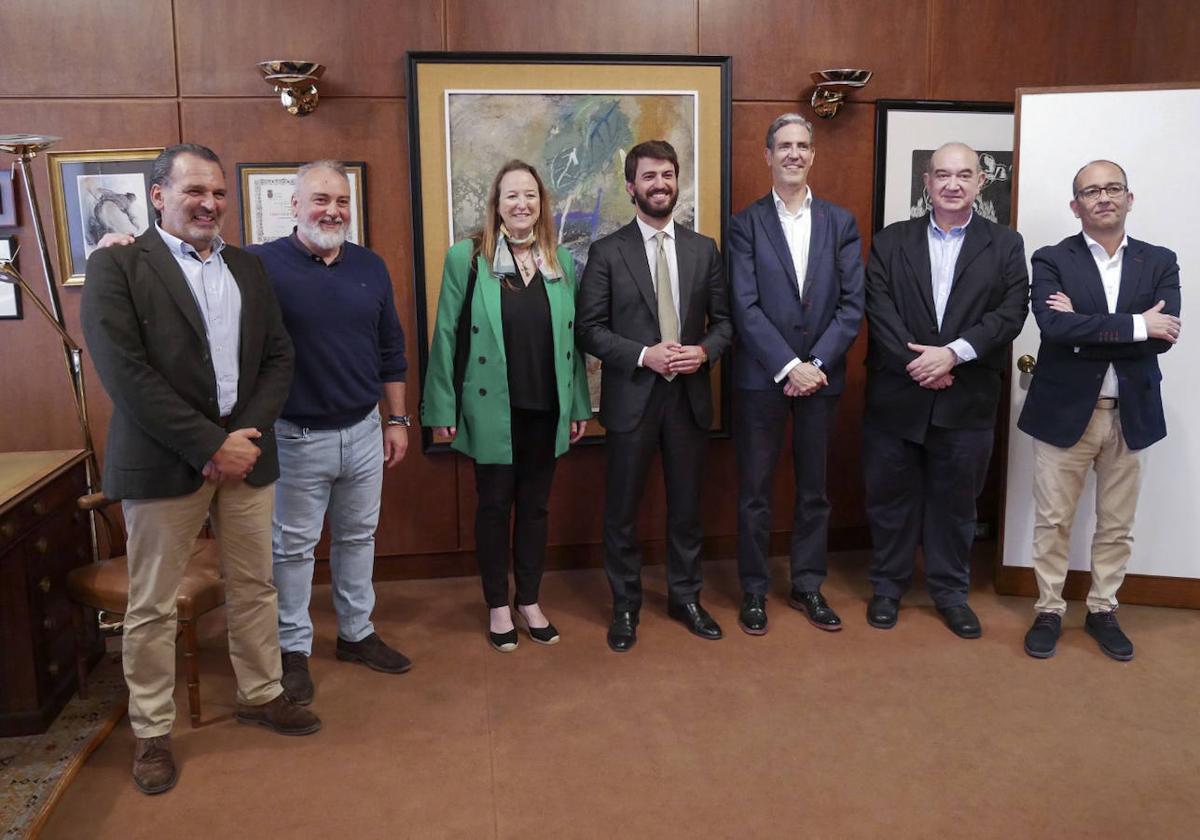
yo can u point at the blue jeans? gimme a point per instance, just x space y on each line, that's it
338 472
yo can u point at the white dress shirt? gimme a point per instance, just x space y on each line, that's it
944 248
1110 278
797 230
220 302
649 239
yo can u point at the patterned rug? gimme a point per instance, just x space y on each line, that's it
35 769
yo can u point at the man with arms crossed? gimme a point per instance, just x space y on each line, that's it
187 339
654 308
946 295
797 300
1106 306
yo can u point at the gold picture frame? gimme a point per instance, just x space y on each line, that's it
572 116
265 193
96 192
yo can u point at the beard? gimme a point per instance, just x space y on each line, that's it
643 204
324 239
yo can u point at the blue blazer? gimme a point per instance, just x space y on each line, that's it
1077 347
773 323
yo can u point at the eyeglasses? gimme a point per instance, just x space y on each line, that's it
1110 190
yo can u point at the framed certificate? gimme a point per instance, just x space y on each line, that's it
266 197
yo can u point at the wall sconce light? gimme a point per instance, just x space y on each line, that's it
832 87
295 82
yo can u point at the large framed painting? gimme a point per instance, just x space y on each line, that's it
572 117
94 193
907 132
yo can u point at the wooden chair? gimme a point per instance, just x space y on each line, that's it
105 586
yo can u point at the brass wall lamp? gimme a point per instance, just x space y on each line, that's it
832 87
295 82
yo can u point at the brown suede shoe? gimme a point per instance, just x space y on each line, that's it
153 767
281 715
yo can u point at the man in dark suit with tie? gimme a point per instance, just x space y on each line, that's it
797 300
946 295
188 341
653 307
1106 305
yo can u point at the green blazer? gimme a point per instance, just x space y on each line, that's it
485 427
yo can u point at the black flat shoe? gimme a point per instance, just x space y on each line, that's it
815 608
1103 627
962 621
1042 637
622 633
543 635
883 612
503 642
696 619
752 617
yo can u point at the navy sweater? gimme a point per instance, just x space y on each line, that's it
342 320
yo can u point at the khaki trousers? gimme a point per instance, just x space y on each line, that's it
161 535
1058 478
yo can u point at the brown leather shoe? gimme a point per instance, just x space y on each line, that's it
153 767
280 715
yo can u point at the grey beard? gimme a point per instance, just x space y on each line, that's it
323 239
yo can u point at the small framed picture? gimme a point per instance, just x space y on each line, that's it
908 132
266 197
8 200
94 193
10 293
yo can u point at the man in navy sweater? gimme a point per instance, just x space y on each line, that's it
337 305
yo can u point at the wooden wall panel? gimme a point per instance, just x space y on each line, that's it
985 49
1167 41
420 493
632 26
38 411
776 44
361 44
69 48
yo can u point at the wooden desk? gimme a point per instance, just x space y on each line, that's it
43 535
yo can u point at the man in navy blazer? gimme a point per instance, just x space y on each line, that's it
797 303
946 295
1106 305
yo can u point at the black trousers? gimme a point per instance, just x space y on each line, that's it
525 486
924 492
761 421
667 426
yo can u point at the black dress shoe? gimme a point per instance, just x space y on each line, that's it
374 653
883 611
1103 627
696 619
622 633
503 642
752 617
962 621
814 606
1042 638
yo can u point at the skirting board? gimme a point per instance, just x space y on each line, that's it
1152 590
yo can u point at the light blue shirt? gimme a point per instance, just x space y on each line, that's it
944 248
220 302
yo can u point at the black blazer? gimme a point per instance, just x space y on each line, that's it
147 338
774 325
987 307
1077 347
617 315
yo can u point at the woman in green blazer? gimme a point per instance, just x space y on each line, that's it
523 395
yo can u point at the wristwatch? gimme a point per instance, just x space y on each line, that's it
399 420
815 362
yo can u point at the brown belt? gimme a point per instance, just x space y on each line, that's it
1106 402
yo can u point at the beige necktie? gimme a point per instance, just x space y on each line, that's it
668 320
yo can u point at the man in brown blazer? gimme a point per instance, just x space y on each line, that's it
188 341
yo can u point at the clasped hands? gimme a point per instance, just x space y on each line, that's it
1158 324
931 369
236 457
664 358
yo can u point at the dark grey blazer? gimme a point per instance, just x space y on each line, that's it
617 315
146 336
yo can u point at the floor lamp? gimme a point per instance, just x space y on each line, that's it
26 147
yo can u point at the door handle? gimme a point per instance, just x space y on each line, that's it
1026 363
